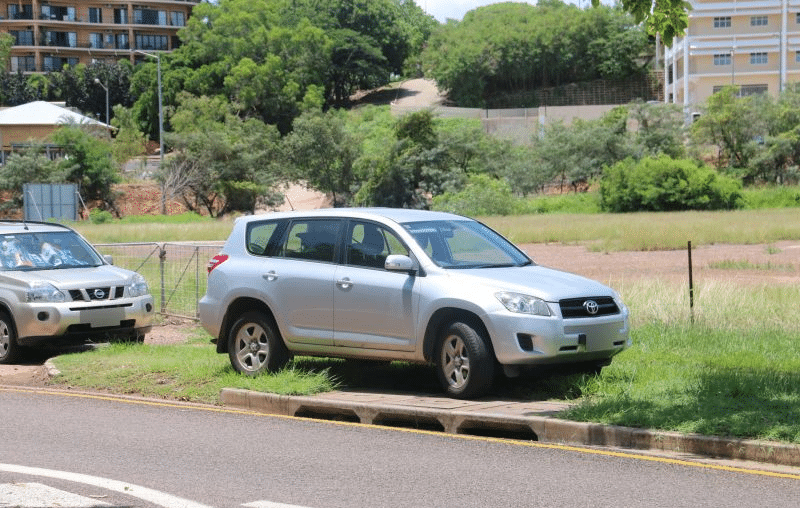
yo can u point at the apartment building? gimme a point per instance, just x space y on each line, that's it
49 34
754 45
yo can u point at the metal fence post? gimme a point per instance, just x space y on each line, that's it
162 259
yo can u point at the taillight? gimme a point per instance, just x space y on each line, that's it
216 261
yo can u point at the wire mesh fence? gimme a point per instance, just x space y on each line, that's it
175 272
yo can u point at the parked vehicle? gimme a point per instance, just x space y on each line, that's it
55 288
412 285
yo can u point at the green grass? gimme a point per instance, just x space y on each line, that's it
190 372
734 372
743 264
652 231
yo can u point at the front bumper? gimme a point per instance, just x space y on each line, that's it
533 340
75 321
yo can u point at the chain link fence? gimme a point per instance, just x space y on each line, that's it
175 272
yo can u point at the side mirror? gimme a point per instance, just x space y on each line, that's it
400 263
108 258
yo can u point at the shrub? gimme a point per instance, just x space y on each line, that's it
666 184
98 216
482 196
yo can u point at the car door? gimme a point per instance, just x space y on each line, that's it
300 278
374 308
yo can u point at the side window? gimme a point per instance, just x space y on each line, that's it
260 235
312 239
369 244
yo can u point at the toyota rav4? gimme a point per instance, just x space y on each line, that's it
412 285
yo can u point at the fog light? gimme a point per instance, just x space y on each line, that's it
148 307
43 316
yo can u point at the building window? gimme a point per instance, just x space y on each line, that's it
16 11
722 22
61 39
759 21
722 59
150 41
58 13
149 17
55 63
797 56
745 90
22 37
178 18
121 16
759 58
23 64
95 15
123 41
95 40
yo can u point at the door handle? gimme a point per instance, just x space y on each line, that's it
270 275
344 283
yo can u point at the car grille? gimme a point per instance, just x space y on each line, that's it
578 307
93 294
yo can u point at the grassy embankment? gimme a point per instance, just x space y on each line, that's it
735 371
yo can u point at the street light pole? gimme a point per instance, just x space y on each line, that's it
97 80
160 123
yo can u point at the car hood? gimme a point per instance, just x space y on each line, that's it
539 281
66 278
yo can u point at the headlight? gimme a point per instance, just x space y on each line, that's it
523 304
138 286
44 293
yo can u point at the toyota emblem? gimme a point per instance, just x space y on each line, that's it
591 307
100 294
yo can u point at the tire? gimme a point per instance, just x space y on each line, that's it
254 345
465 365
10 351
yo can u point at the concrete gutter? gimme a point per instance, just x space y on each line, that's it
533 421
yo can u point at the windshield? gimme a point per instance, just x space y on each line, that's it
465 244
45 251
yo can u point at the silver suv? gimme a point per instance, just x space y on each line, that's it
56 288
412 285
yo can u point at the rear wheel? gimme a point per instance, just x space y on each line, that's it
10 351
464 362
254 345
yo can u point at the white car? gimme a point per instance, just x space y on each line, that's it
396 284
55 288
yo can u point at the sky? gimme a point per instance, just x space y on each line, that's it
455 9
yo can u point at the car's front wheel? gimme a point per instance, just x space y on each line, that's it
254 345
464 362
10 351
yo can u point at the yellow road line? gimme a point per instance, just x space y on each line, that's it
531 444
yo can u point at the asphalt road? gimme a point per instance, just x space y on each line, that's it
146 453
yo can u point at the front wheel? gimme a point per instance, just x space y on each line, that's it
254 345
10 351
464 363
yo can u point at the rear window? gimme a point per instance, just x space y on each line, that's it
45 251
262 238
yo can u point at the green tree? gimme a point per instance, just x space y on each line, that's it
221 163
734 126
666 17
321 152
659 129
510 47
31 165
129 142
88 162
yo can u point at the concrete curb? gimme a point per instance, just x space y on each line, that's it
496 420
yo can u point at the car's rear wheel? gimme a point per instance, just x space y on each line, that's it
10 351
464 362
254 345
